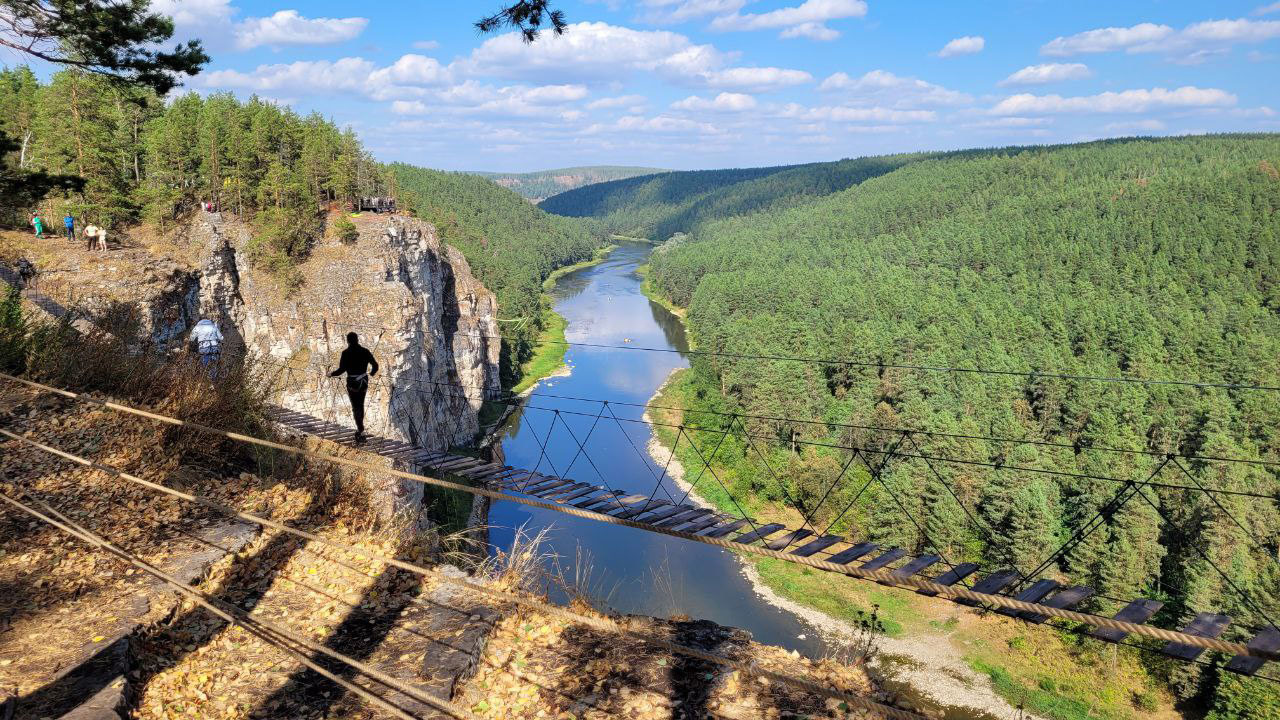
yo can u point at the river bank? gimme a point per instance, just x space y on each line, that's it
931 666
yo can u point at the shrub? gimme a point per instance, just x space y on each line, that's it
345 230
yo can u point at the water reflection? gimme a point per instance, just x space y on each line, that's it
633 571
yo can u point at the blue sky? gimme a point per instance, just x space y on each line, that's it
727 83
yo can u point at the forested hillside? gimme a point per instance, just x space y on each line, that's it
511 245
658 206
538 186
143 159
1149 259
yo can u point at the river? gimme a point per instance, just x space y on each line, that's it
632 571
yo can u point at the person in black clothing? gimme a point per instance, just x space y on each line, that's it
355 362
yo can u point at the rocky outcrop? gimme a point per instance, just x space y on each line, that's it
412 300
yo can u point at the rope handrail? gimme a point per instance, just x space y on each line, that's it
884 577
254 625
603 624
515 402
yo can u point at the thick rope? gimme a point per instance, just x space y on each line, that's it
253 625
885 577
603 624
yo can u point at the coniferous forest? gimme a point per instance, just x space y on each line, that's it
143 159
1145 259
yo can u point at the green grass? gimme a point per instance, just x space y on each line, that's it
548 356
1045 698
651 291
596 258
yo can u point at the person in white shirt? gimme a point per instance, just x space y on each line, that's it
208 340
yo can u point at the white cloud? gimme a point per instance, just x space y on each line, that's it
804 20
881 87
1191 45
813 31
677 11
1048 73
192 14
287 27
842 113
411 70
666 124
304 77
754 79
1267 9
426 45
967 45
615 102
1107 40
1128 101
411 75
409 107
724 102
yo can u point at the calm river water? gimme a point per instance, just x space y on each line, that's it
630 570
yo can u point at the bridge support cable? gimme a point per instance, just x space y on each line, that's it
1244 595
804 520
599 623
644 460
1100 518
693 484
922 456
882 576
264 630
919 431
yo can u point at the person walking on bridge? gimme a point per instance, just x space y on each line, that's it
358 363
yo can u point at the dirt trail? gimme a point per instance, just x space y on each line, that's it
936 668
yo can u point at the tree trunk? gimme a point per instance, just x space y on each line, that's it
22 157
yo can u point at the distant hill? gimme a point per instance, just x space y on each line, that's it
656 206
538 186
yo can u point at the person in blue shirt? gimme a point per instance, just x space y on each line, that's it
70 223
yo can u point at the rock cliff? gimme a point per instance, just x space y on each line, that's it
413 301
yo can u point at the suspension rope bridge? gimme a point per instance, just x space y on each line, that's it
1035 605
236 616
1006 591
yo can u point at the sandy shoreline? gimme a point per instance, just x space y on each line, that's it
937 668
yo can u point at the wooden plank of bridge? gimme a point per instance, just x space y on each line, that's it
639 509
581 493
666 513
1064 600
759 533
952 576
891 555
1033 594
1209 625
723 530
555 493
456 463
1268 640
992 584
848 555
683 518
1136 612
916 565
613 499
700 525
783 542
821 543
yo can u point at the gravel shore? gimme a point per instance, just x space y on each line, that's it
936 668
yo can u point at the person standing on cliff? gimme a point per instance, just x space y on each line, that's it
358 363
